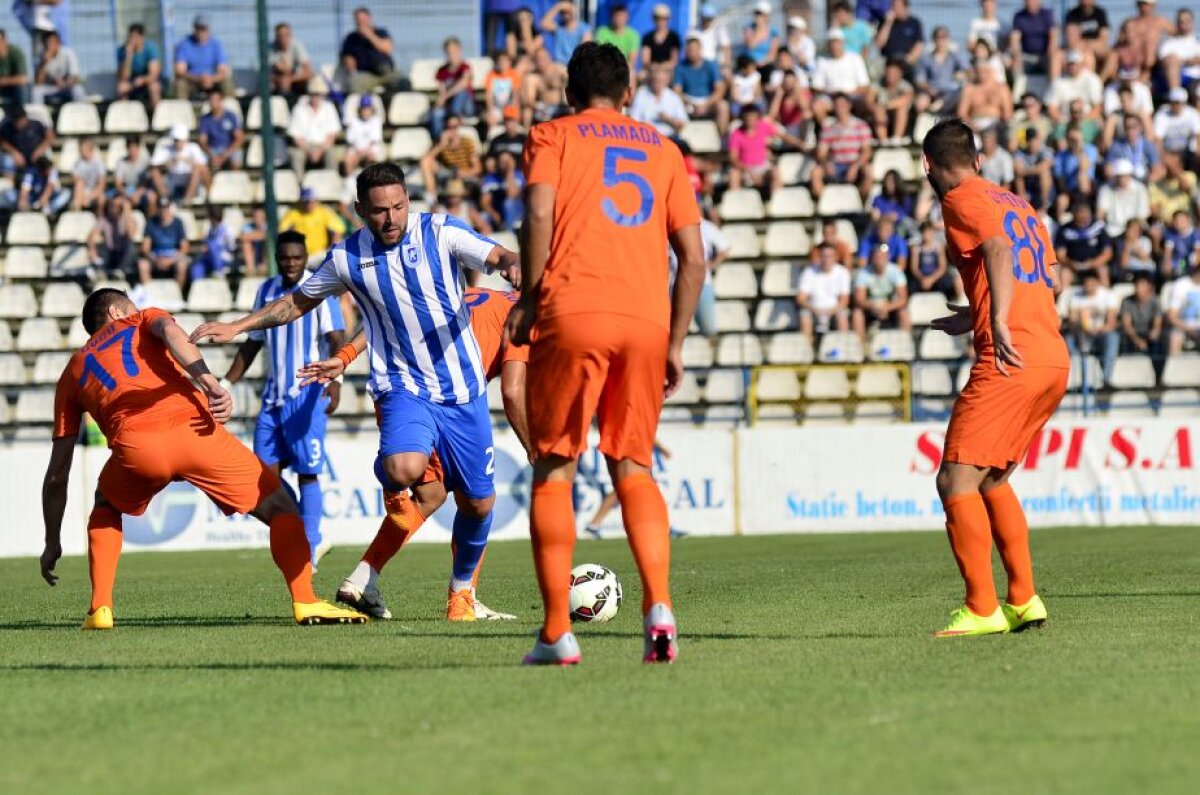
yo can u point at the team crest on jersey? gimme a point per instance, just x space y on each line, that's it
411 256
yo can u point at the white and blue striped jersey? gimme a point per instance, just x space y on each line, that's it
291 346
418 327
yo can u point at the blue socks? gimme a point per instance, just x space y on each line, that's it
470 539
312 508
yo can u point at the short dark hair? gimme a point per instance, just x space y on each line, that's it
949 143
290 236
95 308
138 28
617 7
378 175
1142 276
597 70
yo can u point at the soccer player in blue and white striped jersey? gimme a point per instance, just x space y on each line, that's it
404 270
290 431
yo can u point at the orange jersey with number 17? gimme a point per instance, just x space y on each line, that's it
621 190
977 210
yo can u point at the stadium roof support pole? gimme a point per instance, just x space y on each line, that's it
268 135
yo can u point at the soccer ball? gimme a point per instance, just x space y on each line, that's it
595 593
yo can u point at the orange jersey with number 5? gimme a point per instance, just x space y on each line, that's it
977 210
127 380
489 313
621 190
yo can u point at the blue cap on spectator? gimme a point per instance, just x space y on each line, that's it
366 101
708 11
307 194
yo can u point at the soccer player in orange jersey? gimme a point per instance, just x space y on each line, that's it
132 377
489 311
606 195
1008 267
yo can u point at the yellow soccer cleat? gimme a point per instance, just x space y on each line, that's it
460 606
325 613
1031 615
100 618
963 622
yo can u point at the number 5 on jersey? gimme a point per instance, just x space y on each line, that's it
614 177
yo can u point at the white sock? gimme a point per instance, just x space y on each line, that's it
459 585
363 576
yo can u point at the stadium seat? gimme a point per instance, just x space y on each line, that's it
48 366
932 409
1133 372
845 231
923 125
776 416
932 379
231 187
780 280
77 335
841 347
677 414
1129 403
786 239
39 334
113 153
1121 291
824 414
192 226
1075 377
1182 370
423 74
256 154
702 137
281 116
74 226
35 405
410 144
776 314
878 382
876 412
68 155
826 383
17 301
742 205
892 345
287 187
791 167
217 357
924 308
169 112
480 67
25 262
326 182
940 346
739 350
78 118
725 386
789 348
697 352
62 299
210 295
230 104
899 160
247 291
839 200
714 417
69 259
791 203
776 385
6 337
1179 403
408 109
1074 404
245 400
689 391
188 321
28 229
164 293
743 241
124 117
732 316
349 402
735 280
12 370
229 317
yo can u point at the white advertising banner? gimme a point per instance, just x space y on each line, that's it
1097 472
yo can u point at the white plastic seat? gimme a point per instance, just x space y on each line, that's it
113 154
787 239
1119 292
839 200
1075 378
721 417
778 385
12 371
725 386
732 316
77 335
940 346
74 226
743 241
6 337
842 347
1130 403
407 109
932 379
742 205
776 416
188 321
126 116
702 137
697 352
349 402
287 187
899 160
169 112
875 412
1179 403
422 73
69 258
25 262
789 348
325 182
39 334
480 65
35 405
29 229
924 124
794 202
210 295
17 301
826 383
245 400
892 345
48 366
62 299
776 314
78 118
735 280
165 294
410 143
924 308
191 225
1182 370
932 409
791 167
689 391
233 315
281 115
1073 405
824 414
845 232
780 280
878 382
231 187
739 350
68 155
1133 372
247 291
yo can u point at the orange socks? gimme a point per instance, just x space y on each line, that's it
289 550
1010 530
970 534
552 526
399 524
649 529
104 550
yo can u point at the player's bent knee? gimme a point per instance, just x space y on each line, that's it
276 503
476 508
404 469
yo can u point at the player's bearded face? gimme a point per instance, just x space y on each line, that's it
385 212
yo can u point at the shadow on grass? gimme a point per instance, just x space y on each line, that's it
1118 595
246 666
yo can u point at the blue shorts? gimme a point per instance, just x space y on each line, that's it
460 433
293 435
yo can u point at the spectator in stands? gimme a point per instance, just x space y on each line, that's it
1093 322
700 84
1079 83
57 79
656 104
880 294
800 44
220 243
940 75
455 87
1077 117
314 127
22 139
987 27
893 200
524 37
502 196
455 202
111 245
746 88
716 250
511 139
1083 244
544 89
750 162
856 33
830 236
1140 102
178 166
844 151
1183 313
760 39
791 104
1175 190
42 17
986 101
714 38
839 72
291 66
364 135
90 177
453 156
1092 22
1034 38
893 105
1177 124
220 134
131 176
1075 166
565 29
1136 255
1122 199
253 239
1145 32
164 246
1033 167
200 63
14 75
824 294
1142 319
40 189
502 89
497 18
366 56
1179 54
1032 115
1134 148
1073 42
618 33
1181 247
661 44
901 37
873 12
139 67
998 165
928 268
320 225
883 232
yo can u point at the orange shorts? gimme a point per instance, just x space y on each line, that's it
434 472
590 364
211 459
996 417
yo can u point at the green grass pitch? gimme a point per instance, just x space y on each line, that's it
805 667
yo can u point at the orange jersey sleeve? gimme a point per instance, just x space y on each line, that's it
68 413
489 314
620 189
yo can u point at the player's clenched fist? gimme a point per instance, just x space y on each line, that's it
520 320
220 401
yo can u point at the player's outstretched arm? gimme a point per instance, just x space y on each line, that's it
277 313
220 402
326 370
998 263
689 279
54 502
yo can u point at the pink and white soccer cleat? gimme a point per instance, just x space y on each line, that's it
564 651
660 635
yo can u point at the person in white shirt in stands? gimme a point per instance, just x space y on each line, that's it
987 27
1093 322
1129 77
658 105
1121 200
178 166
1079 82
313 129
716 251
714 38
800 44
880 294
1180 54
824 294
1177 124
840 72
364 135
1183 311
